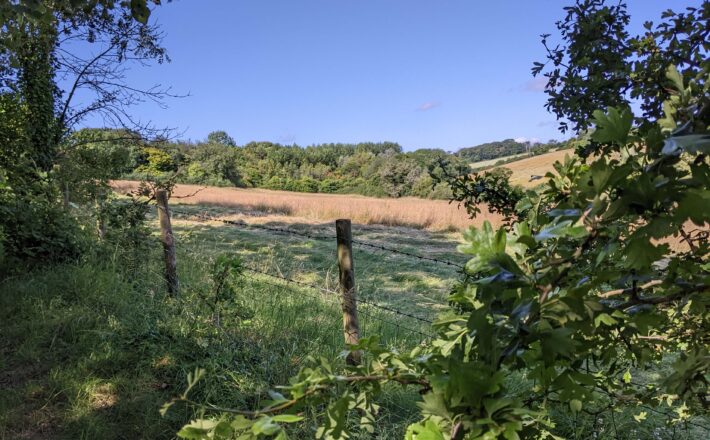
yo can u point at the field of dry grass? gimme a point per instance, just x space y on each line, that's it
434 215
490 162
523 169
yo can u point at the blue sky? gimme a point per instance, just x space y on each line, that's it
426 74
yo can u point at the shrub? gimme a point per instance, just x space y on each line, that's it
38 231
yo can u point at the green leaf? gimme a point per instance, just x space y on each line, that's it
612 127
197 429
140 10
557 342
428 431
675 77
641 253
561 229
627 377
641 416
240 423
603 318
287 418
265 425
695 205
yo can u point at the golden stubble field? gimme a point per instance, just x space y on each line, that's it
434 215
523 169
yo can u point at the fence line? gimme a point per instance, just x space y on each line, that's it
334 300
333 292
335 297
204 216
409 254
346 293
320 237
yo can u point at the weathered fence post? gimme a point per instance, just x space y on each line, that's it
166 236
351 326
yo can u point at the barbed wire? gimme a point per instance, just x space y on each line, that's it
322 237
409 254
361 301
292 281
337 302
398 312
396 324
254 225
334 292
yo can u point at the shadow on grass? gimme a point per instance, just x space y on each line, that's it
88 354
412 285
82 350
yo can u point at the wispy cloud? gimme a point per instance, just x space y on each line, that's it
524 139
428 106
538 84
546 123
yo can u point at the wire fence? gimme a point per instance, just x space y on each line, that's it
368 306
334 297
312 236
374 310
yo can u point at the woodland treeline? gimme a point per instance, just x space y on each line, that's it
507 147
379 169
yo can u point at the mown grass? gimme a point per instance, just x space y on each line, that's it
92 350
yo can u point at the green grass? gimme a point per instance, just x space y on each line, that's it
92 350
415 286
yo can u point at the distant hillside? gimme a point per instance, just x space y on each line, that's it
380 169
504 148
534 167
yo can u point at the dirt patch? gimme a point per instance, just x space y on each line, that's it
103 397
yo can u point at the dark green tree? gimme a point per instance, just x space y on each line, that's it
596 63
37 116
222 138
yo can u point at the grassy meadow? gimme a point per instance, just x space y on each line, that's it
111 347
92 350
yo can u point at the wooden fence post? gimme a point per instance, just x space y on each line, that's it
351 326
166 236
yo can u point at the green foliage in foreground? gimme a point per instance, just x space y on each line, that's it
92 350
577 295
